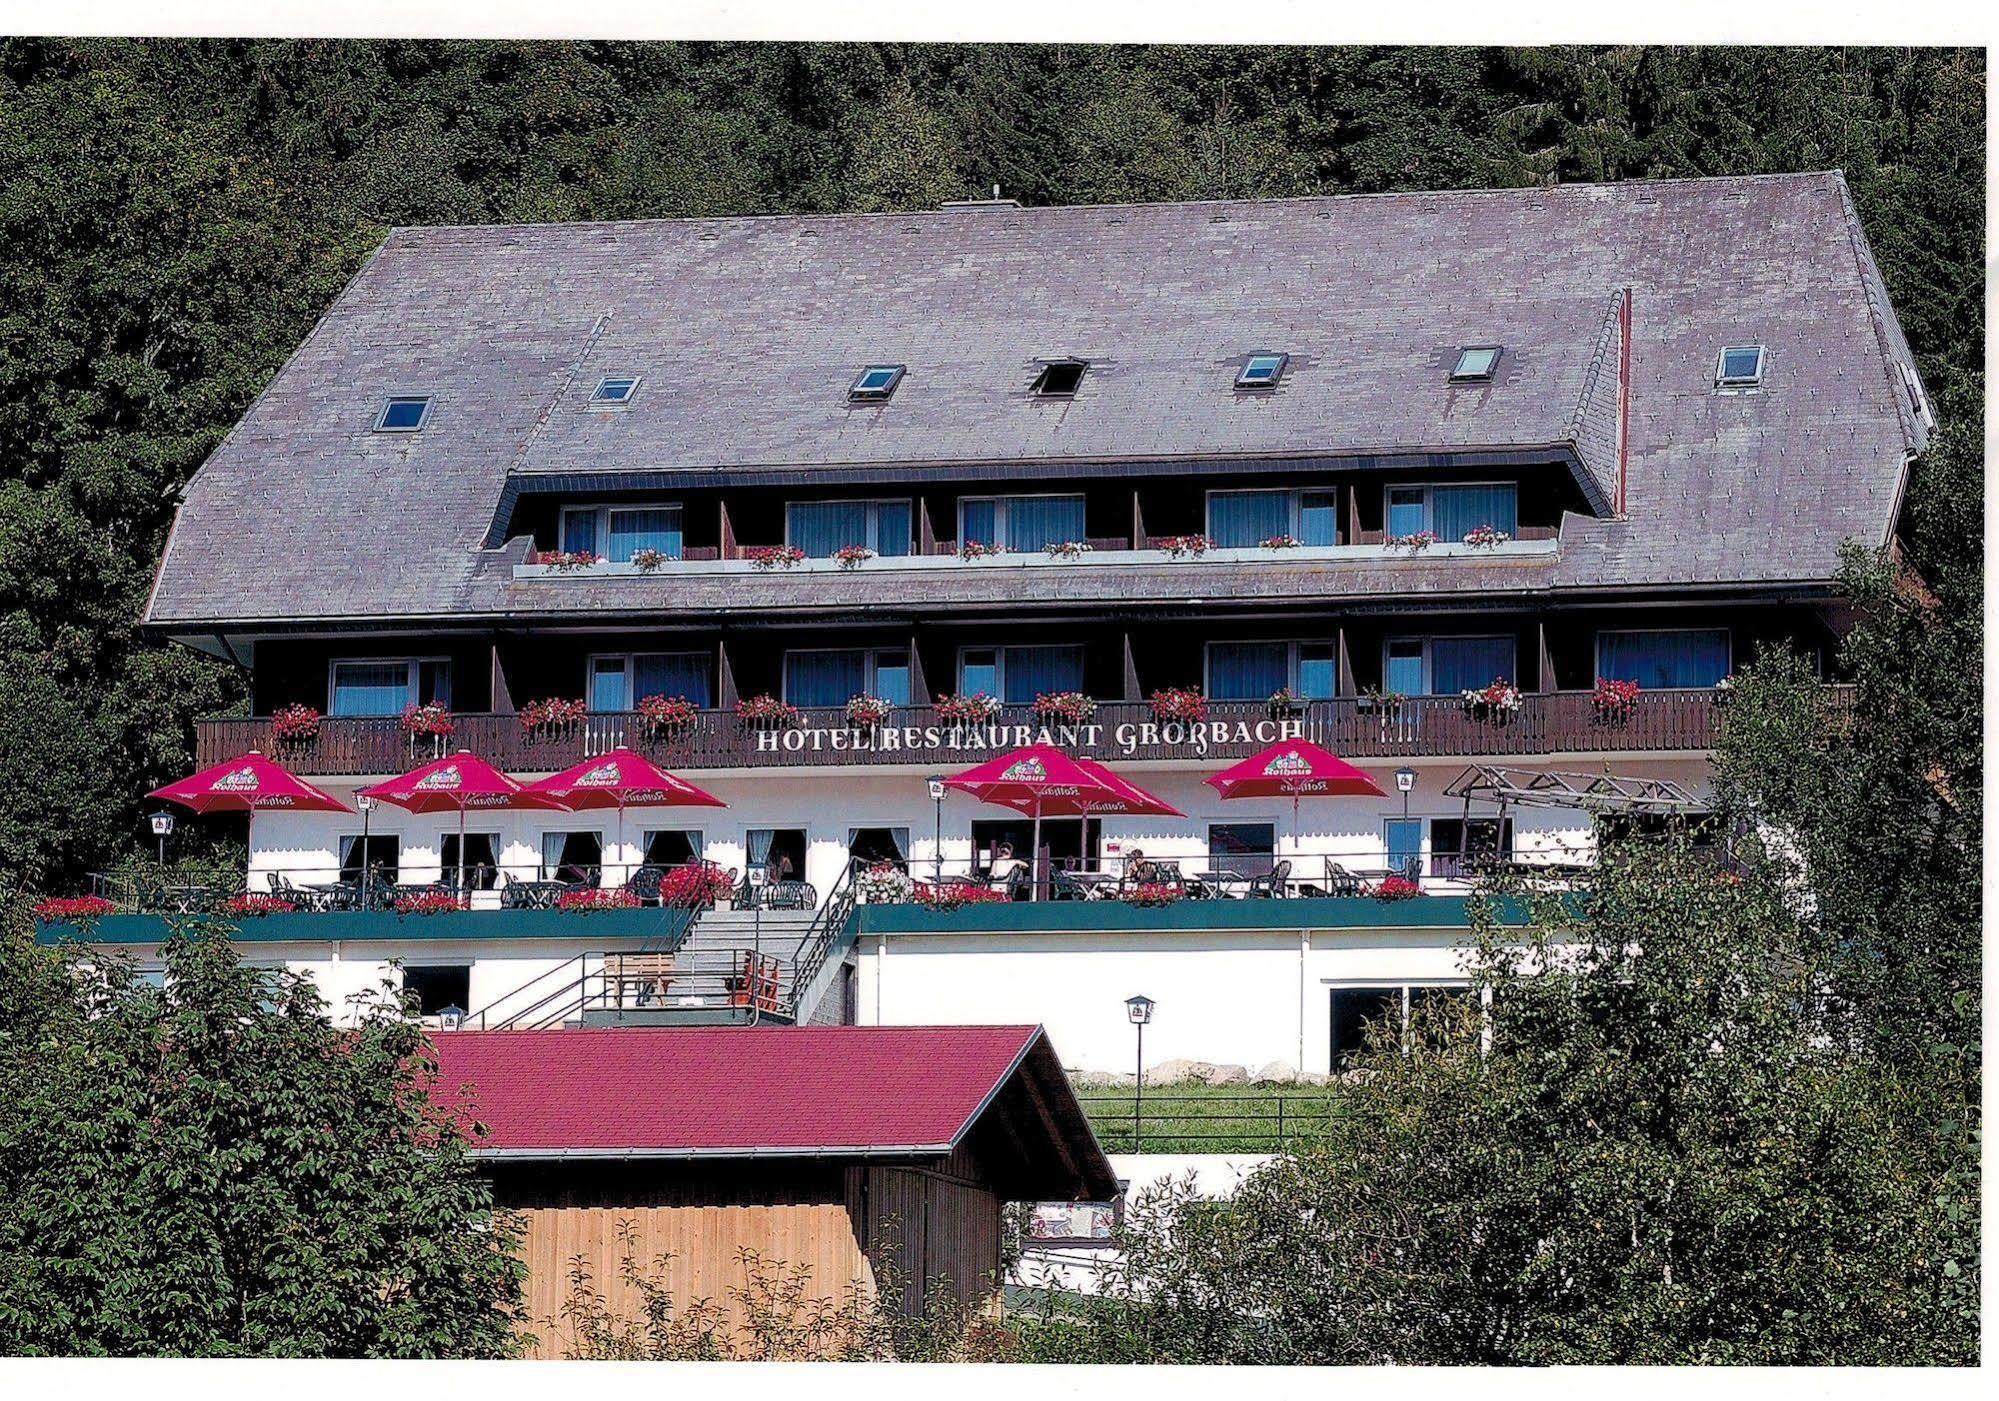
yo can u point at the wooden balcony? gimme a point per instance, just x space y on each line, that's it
1426 727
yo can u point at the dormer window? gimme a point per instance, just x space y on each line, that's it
403 413
1475 362
1261 371
1740 367
875 383
1059 379
614 390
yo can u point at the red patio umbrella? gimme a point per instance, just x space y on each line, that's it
249 783
621 779
1042 781
462 781
1293 768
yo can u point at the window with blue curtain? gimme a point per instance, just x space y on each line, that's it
821 527
1407 513
1405 841
1247 670
824 678
1240 519
978 670
649 529
1031 671
1657 660
1469 663
1403 672
1318 671
579 532
1036 522
370 688
607 685
1319 518
892 527
672 674
891 681
1456 510
979 520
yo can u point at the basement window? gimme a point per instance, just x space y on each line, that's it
1476 362
1059 379
875 383
1261 371
613 390
404 413
1740 367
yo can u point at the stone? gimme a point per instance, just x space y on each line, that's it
1315 1077
1170 1072
1278 1072
1225 1075
1102 1080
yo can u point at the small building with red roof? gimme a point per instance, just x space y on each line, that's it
839 1149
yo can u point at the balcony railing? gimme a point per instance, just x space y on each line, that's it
1422 727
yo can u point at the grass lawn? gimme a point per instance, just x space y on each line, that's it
1196 1118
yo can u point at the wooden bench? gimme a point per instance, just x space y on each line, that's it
648 974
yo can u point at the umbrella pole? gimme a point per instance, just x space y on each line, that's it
622 864
462 893
1034 858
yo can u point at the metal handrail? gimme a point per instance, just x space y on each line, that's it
829 926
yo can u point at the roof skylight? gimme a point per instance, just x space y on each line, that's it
1059 379
1740 367
875 383
403 413
612 390
1261 371
1476 362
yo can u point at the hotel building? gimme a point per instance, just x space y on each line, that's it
1332 463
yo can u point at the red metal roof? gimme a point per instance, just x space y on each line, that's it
729 1091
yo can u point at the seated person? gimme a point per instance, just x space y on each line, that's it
1137 869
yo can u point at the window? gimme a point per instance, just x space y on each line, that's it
1059 379
1403 837
1242 848
1261 371
385 686
1476 362
438 985
821 527
1444 666
1394 1009
672 846
482 863
576 857
1245 519
1018 674
619 532
1023 523
875 383
1452 511
619 681
403 414
1740 367
1460 846
613 390
1258 670
1666 659
829 678
381 856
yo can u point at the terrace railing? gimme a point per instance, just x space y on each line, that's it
1356 727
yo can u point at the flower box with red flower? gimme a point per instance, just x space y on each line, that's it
251 904
1397 888
566 561
295 724
853 556
432 719
1496 703
1067 549
980 549
882 883
64 908
551 715
428 902
1414 543
773 556
647 560
697 885
666 716
1285 702
867 712
1184 546
1179 703
1152 894
584 901
1280 542
971 709
1614 700
767 712
951 896
1064 707
1486 537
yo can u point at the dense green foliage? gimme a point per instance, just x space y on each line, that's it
173 216
213 1169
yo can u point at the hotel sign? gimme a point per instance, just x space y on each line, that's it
1191 739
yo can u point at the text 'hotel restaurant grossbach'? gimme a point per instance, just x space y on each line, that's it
1487 493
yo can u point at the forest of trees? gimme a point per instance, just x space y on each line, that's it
175 215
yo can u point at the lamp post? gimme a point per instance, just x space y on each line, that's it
450 1018
937 841
367 806
1405 780
1139 1010
163 827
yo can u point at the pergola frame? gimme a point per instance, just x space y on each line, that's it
1596 794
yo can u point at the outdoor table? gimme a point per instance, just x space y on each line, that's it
185 899
540 894
1095 885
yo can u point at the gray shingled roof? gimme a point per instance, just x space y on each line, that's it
749 330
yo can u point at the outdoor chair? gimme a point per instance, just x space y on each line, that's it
645 884
790 895
1341 881
1063 885
1270 887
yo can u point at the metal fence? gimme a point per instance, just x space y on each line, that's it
1243 1121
